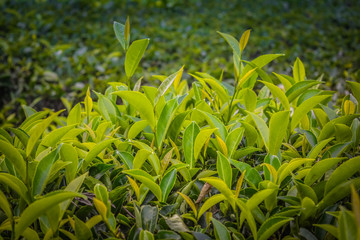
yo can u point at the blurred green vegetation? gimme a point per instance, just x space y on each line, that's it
53 49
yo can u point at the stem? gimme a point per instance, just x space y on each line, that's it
235 90
237 219
232 98
12 228
128 83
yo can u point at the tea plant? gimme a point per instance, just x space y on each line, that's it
250 159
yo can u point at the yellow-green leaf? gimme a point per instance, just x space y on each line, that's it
14 156
215 199
134 55
200 140
276 133
299 71
244 40
189 202
304 108
136 128
38 130
95 151
220 185
40 207
278 93
147 180
141 103
224 169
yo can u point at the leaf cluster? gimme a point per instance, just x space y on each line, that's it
249 160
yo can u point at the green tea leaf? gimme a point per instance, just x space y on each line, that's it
108 109
224 169
304 108
276 134
42 172
147 180
217 87
88 104
200 140
136 128
286 170
40 207
141 103
215 199
271 225
81 229
38 131
146 235
164 121
355 88
337 193
250 99
258 197
234 44
244 39
15 157
214 122
347 226
119 30
190 134
299 71
31 120
51 139
73 186
5 136
285 82
153 159
166 84
262 127
306 191
299 88
16 184
277 92
343 133
221 233
74 116
233 140
220 185
140 158
318 147
342 173
189 202
5 206
329 228
21 135
320 168
249 217
95 151
260 62
167 183
28 233
134 55
176 125
127 159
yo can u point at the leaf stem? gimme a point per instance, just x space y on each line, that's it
128 83
235 90
232 98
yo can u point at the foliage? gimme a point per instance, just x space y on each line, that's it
56 49
247 160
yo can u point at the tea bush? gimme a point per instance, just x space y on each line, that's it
250 159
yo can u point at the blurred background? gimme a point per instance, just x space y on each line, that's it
51 51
